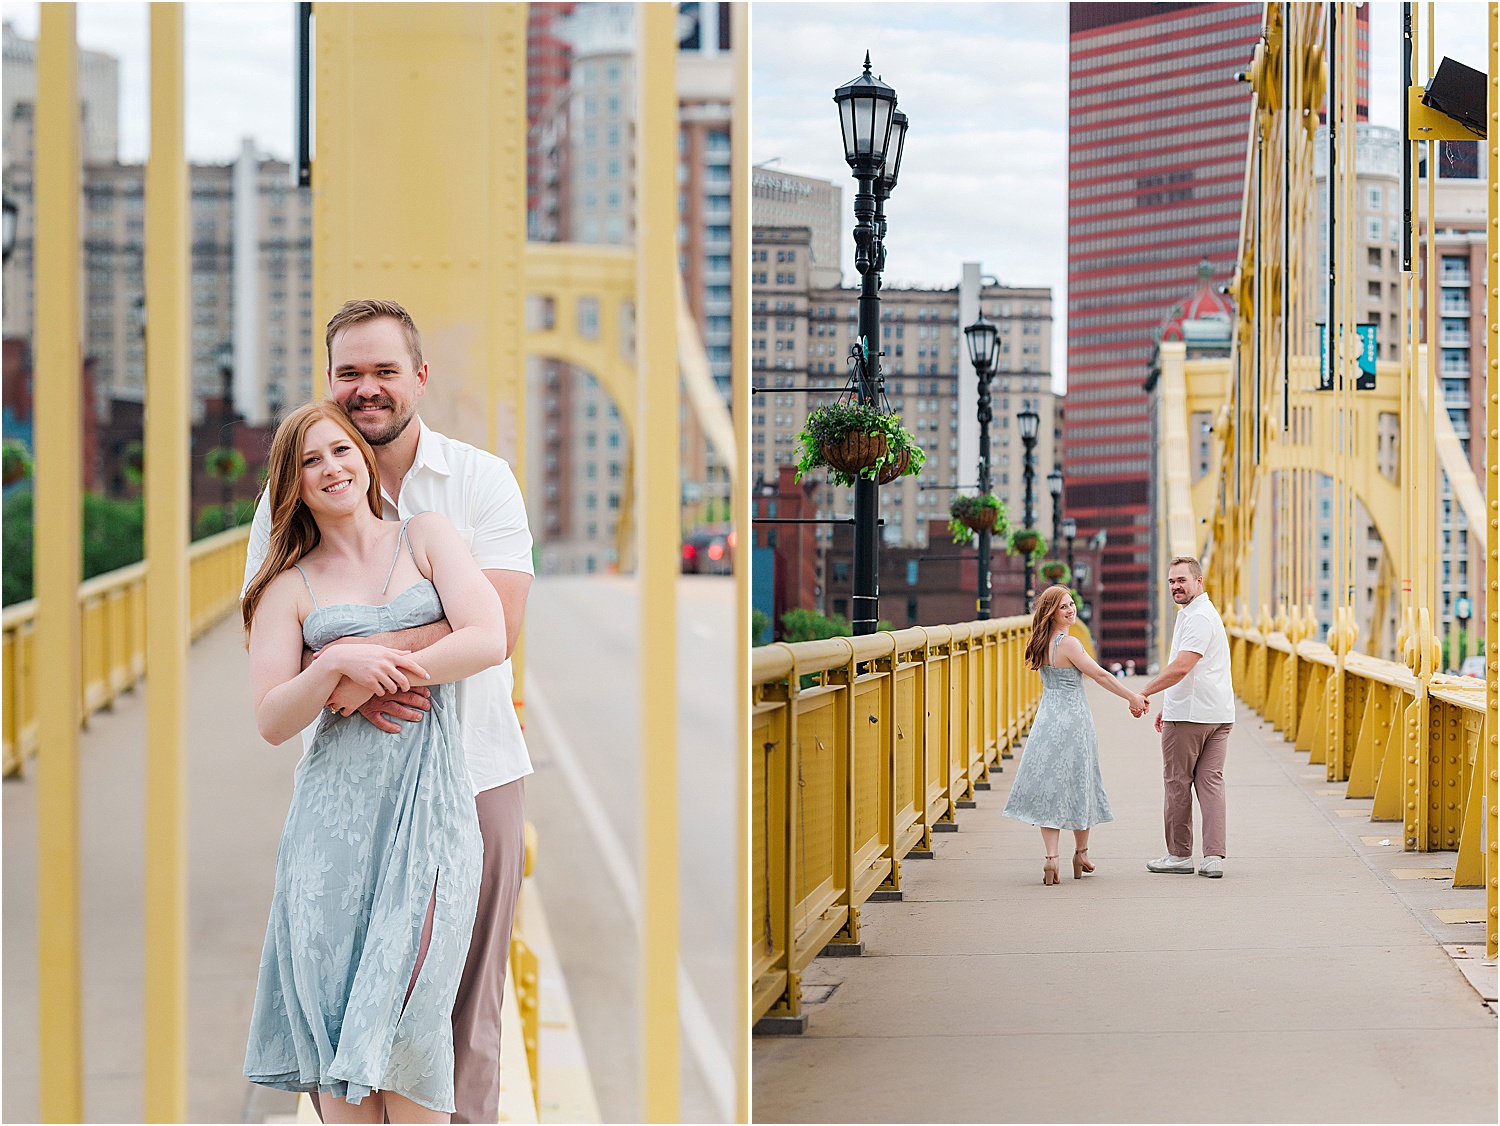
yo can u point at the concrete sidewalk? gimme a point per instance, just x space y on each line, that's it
1309 984
238 792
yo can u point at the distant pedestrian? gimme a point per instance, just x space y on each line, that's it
1196 717
1058 784
1130 668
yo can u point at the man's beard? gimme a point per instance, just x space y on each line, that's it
387 433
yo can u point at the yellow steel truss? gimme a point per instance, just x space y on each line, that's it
1400 732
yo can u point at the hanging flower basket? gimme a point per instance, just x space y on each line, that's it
857 440
225 463
16 462
856 452
970 514
894 468
1056 571
133 462
1027 541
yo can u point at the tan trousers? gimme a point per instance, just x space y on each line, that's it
1192 758
476 1012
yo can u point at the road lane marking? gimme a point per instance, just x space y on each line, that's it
698 1030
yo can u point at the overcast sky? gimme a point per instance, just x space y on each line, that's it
240 63
984 175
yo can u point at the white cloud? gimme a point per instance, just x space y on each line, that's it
240 64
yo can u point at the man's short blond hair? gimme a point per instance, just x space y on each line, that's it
370 309
1189 562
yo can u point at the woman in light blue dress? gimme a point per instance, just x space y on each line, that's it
1058 785
377 873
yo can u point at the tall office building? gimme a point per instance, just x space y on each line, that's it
251 256
581 151
1157 129
1157 139
549 58
785 199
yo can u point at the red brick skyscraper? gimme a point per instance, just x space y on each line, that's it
1157 135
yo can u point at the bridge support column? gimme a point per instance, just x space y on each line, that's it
168 403
59 405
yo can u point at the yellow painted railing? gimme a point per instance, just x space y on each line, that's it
862 748
113 609
1411 746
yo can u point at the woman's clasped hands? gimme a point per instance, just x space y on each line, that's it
377 668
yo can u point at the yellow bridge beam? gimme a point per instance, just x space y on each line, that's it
57 570
168 445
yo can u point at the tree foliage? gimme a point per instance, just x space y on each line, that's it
113 537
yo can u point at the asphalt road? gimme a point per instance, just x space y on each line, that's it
583 637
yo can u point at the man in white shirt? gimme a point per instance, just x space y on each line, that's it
1196 717
376 373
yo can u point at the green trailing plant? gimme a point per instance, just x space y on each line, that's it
853 440
1056 571
15 462
225 463
967 515
1028 541
133 462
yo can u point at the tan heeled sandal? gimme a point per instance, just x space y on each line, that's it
1049 870
1081 863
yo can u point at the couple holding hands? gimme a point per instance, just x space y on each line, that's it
1058 783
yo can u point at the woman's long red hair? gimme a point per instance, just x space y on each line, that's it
294 532
1044 625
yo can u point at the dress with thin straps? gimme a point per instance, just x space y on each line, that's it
1058 783
379 824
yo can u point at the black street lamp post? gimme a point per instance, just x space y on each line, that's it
1028 422
1054 486
874 134
984 343
12 215
1070 533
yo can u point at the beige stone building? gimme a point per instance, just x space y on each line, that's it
800 339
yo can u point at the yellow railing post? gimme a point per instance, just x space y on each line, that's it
167 577
657 492
58 488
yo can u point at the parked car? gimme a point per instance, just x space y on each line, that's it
1472 666
708 553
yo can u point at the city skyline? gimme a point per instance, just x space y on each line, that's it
966 73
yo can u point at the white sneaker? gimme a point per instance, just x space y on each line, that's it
1212 867
1170 863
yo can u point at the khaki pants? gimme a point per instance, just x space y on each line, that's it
476 1012
1192 757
